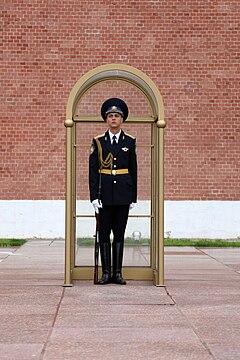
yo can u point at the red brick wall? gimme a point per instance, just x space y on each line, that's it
190 49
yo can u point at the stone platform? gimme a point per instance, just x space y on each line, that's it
195 316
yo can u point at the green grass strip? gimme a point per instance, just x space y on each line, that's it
171 242
143 242
201 242
11 242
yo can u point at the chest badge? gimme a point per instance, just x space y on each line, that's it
125 149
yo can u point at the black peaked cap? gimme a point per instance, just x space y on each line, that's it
108 104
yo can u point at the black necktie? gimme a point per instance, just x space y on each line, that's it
114 143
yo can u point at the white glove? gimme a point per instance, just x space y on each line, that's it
132 205
97 204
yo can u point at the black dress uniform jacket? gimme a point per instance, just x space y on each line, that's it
114 189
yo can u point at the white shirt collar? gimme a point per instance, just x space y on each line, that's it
111 135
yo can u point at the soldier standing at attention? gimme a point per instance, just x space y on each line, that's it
113 186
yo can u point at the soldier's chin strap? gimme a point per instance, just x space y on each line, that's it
107 163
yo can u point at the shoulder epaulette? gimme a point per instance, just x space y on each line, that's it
130 135
98 136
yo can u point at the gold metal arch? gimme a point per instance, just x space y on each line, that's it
141 81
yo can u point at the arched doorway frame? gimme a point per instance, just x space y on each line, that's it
141 81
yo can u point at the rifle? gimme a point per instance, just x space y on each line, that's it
97 216
96 250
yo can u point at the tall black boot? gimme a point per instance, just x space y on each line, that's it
117 263
105 250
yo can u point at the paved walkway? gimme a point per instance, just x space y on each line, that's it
197 315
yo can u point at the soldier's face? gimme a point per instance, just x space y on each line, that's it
114 121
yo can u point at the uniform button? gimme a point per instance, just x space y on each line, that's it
115 159
115 182
114 165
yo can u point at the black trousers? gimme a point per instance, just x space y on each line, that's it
113 218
